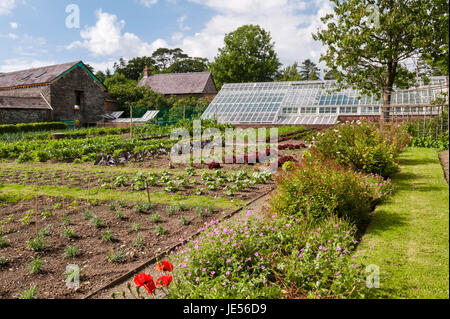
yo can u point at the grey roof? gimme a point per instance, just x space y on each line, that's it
24 103
34 76
181 83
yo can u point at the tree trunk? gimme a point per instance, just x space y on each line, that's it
386 109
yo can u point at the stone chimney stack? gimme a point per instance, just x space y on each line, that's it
146 72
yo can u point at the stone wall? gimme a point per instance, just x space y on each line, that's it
16 116
62 92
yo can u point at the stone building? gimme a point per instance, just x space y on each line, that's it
197 84
63 92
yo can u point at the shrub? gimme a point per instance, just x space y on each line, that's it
36 265
256 258
367 147
36 244
317 191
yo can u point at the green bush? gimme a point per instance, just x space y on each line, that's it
367 147
31 127
316 191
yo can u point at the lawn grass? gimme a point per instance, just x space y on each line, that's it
28 192
410 232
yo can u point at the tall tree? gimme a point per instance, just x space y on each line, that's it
134 68
290 73
330 75
248 56
369 41
164 58
189 65
309 71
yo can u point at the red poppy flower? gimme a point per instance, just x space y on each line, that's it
142 279
150 286
164 266
164 281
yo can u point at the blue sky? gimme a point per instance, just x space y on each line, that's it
34 32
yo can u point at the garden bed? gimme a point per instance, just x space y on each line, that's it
93 249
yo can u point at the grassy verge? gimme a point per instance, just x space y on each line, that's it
409 234
30 191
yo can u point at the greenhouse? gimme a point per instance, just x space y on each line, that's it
313 102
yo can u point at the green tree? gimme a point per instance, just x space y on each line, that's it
330 75
309 71
133 69
164 58
101 76
290 73
248 56
368 42
189 65
127 94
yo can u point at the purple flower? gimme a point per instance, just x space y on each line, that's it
213 273
227 273
262 267
257 254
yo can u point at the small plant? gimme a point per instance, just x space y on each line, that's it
4 242
45 232
57 206
112 207
211 209
156 218
119 214
181 207
184 221
199 191
27 219
116 256
159 230
108 236
96 222
69 233
122 203
47 214
143 207
36 244
87 215
29 293
3 261
66 220
198 211
71 252
135 227
139 242
36 265
171 210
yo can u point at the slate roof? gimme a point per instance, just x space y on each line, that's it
34 76
24 103
181 83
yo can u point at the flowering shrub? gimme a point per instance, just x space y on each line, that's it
367 147
315 191
253 257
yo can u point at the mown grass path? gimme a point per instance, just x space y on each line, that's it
409 234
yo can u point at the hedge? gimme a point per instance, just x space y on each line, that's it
32 127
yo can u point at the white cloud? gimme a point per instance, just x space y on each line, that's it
14 25
148 3
101 66
17 64
107 38
181 25
6 6
290 22
12 36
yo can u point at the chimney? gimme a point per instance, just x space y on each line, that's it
146 72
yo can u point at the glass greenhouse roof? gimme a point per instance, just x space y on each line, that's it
272 102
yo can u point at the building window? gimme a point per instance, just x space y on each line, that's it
79 98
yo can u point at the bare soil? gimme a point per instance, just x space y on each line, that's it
97 271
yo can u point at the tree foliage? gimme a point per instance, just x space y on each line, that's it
248 56
368 43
